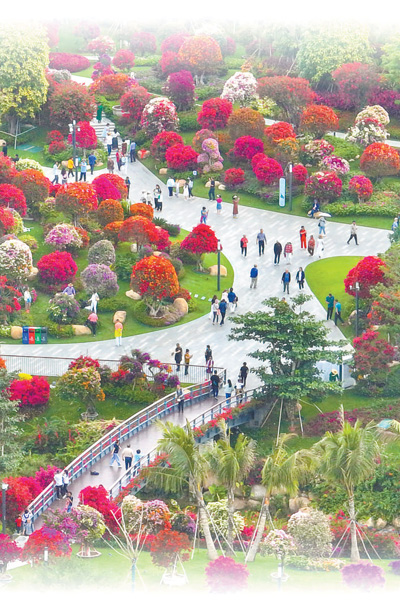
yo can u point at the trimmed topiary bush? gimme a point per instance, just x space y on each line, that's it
98 278
102 252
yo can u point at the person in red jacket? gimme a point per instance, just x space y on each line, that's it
243 245
288 252
303 238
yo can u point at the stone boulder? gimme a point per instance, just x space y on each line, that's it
396 522
370 523
81 330
133 248
33 274
16 332
297 503
213 270
380 524
182 182
119 315
163 171
181 306
133 295
258 492
221 187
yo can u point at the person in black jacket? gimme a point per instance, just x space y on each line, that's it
277 252
178 356
286 280
244 370
300 277
215 380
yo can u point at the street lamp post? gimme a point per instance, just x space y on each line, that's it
219 249
4 488
73 128
357 286
290 185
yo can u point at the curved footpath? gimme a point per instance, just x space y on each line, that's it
197 334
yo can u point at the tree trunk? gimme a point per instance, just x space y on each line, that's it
205 526
252 552
231 525
355 555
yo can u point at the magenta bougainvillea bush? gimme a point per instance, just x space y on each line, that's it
268 171
57 268
246 147
30 392
368 272
159 114
180 89
362 187
215 113
324 186
363 575
226 575
181 157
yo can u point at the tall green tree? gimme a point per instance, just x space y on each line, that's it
282 472
24 57
391 59
292 341
230 464
9 420
188 469
347 458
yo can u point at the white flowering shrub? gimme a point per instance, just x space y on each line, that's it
374 112
158 115
367 131
311 533
219 519
15 260
28 164
278 543
240 88
64 236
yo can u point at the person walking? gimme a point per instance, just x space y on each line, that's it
118 160
311 245
203 215
94 299
64 177
187 357
208 353
92 322
288 252
228 390
27 527
215 380
253 277
124 164
56 173
110 165
330 302
177 187
118 328
170 186
109 143
186 191
83 170
261 240
320 248
222 310
303 238
286 277
127 456
215 311
92 162
58 481
70 167
338 312
115 455
114 140
99 112
209 366
243 372
353 233
128 185
190 187
104 133
69 502
232 300
18 524
149 198
27 300
300 277
277 252
132 151
235 202
219 204
137 458
243 245
239 389
65 482
211 190
321 225
178 353
180 396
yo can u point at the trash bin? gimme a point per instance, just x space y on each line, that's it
38 334
25 335
44 335
31 335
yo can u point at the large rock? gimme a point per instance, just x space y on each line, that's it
119 315
16 332
258 492
213 270
221 187
380 524
33 274
181 305
163 171
396 522
133 295
370 523
182 182
297 503
81 330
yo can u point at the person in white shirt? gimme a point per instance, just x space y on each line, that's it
177 188
93 302
320 248
58 481
124 164
170 186
190 187
65 482
56 173
185 191
127 456
109 143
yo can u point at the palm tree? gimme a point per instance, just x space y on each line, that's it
189 467
282 471
230 465
348 457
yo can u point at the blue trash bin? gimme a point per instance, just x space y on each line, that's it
25 335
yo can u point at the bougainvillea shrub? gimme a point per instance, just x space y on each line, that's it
324 186
56 146
30 392
201 54
54 541
200 240
123 59
180 89
139 230
366 132
181 157
68 61
9 301
142 209
97 498
234 177
355 82
240 88
170 62
11 196
101 45
109 210
246 122
215 113
159 114
200 137
226 575
7 169
7 221
9 551
54 135
57 268
362 187
318 119
300 173
380 159
143 42
102 252
70 101
76 199
210 158
287 150
105 189
111 231
368 272
162 142
279 130
173 42
268 171
332 163
99 278
374 112
155 279
134 101
113 85
33 184
85 137
291 94
15 260
314 151
166 545
64 236
363 575
371 361
246 147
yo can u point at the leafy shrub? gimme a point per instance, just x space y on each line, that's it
57 268
188 121
102 252
123 267
98 278
172 229
63 309
311 533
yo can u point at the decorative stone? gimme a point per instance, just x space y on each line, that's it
258 492
119 315
396 522
16 332
81 330
145 154
181 305
133 295
163 171
133 248
207 185
370 523
297 503
213 270
182 182
33 274
221 187
380 524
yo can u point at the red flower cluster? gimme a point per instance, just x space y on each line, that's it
69 101
166 545
56 146
246 147
55 542
86 137
134 101
215 113
225 575
54 135
57 268
6 220
8 299
372 353
180 89
368 272
33 184
173 42
112 85
139 230
116 181
245 122
234 177
11 196
110 210
123 59
318 119
170 62
9 551
83 362
84 235
155 277
66 60
300 173
7 169
162 142
380 159
324 186
267 170
97 498
77 198
30 392
279 131
181 157
111 231
201 240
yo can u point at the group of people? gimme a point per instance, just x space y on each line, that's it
179 356
61 172
333 309
127 456
175 185
229 300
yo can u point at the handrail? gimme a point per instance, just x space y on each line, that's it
124 430
201 419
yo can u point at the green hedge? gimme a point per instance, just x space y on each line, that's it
188 121
343 148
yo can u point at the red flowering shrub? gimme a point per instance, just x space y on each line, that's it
9 551
246 122
371 361
84 236
318 119
112 85
364 575
173 42
181 157
142 209
83 362
7 169
291 94
55 542
361 186
85 137
33 184
226 575
234 177
143 42
200 240
380 159
154 278
66 60
201 54
56 146
54 135
123 59
324 186
162 142
44 477
215 113
388 99
11 196
9 303
76 199
180 89
138 230
134 101
115 180
101 45
105 189
166 545
300 173
170 62
108 211
97 498
368 272
30 392
268 171
111 231
279 131
70 101
355 81
57 268
246 147
21 491
257 158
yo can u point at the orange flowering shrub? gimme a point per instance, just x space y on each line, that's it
380 159
318 119
246 122
279 130
201 54
112 230
110 210
76 199
155 279
142 209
